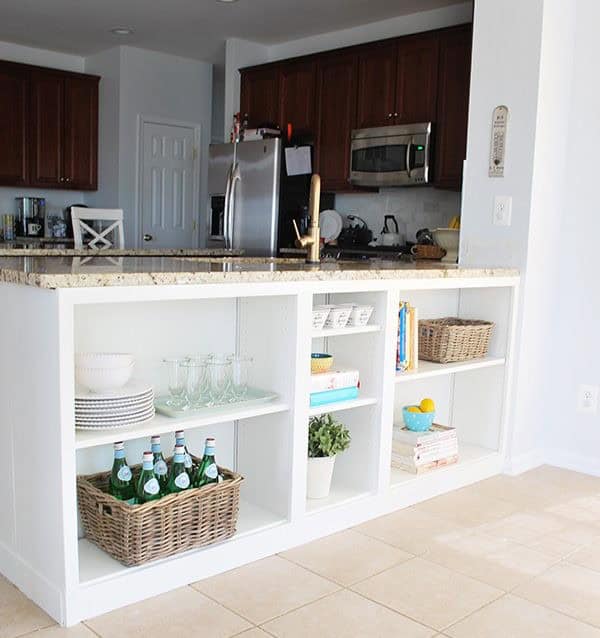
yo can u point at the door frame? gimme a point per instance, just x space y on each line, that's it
139 167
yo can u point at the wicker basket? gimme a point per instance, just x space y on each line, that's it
426 251
137 534
452 339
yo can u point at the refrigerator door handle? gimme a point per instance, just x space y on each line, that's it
235 178
226 207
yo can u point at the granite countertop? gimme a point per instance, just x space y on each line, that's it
80 272
119 252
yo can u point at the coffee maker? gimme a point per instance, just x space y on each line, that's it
31 216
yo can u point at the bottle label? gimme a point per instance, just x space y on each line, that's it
182 481
155 448
124 473
188 461
160 468
151 487
211 471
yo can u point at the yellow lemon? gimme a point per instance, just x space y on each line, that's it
413 408
427 405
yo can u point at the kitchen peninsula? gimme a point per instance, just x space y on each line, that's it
160 306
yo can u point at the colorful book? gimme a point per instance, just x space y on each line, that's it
333 396
435 434
428 467
421 455
334 380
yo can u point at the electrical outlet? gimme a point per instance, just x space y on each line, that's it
587 399
502 210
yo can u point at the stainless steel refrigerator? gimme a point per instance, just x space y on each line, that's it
243 188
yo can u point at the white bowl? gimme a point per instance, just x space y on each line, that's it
360 315
104 360
338 316
103 379
448 238
319 316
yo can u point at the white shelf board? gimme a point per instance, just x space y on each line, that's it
339 495
162 424
467 455
95 564
341 405
335 332
430 369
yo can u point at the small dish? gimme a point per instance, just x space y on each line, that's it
103 379
320 362
338 316
417 421
319 316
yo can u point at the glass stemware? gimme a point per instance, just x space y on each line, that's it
176 381
197 382
219 368
240 374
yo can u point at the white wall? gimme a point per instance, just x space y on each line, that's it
56 200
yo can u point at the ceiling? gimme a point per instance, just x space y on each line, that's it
191 28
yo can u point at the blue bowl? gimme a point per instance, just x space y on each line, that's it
417 421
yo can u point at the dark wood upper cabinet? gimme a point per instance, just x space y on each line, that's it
416 80
336 116
14 90
259 95
453 106
80 133
376 84
297 91
47 106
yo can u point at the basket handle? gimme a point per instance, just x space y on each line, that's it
105 510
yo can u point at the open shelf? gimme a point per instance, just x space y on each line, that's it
467 455
162 424
430 369
341 405
334 332
95 564
339 495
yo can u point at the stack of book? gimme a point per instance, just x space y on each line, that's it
333 386
419 452
407 352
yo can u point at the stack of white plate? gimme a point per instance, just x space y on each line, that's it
129 405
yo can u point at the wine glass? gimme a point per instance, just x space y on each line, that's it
220 379
197 382
176 382
240 374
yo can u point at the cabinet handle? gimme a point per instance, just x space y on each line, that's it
67 179
61 179
395 114
390 116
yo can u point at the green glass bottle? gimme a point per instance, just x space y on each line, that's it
148 487
207 471
160 465
180 440
121 480
179 479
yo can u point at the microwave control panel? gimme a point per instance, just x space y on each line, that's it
498 143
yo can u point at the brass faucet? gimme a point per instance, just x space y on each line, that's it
312 241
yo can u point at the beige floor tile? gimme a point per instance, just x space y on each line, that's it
347 557
412 530
468 509
170 615
586 557
345 615
495 561
265 589
570 589
524 527
255 632
518 618
553 546
428 593
18 614
79 631
576 481
567 540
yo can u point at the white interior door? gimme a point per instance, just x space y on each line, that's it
169 185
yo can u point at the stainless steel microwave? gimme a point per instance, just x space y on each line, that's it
391 155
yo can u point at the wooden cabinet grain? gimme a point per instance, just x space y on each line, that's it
259 95
376 84
14 159
336 117
453 106
297 90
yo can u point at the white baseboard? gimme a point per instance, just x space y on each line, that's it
570 461
524 462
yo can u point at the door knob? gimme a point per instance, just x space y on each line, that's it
147 237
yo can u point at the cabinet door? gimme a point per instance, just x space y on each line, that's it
376 85
453 107
297 91
337 83
259 95
417 77
80 151
47 119
13 126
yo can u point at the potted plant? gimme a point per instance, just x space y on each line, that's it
326 438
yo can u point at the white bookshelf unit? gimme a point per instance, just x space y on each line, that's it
43 549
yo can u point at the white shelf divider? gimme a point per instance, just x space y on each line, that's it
162 424
341 405
335 332
430 369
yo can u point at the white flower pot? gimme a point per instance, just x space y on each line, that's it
318 476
